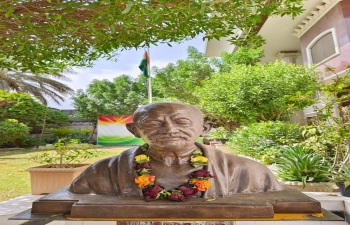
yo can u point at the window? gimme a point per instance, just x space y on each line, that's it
323 48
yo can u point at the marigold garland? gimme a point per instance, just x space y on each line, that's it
198 179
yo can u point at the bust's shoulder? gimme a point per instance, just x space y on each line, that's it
234 160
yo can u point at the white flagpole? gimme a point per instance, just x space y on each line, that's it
149 78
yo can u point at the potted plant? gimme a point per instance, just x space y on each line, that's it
62 165
342 178
303 169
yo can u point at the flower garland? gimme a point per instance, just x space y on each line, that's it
198 179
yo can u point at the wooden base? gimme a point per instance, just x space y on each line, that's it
258 205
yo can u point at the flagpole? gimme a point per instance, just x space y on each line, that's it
149 78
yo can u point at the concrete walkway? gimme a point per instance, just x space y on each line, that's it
14 206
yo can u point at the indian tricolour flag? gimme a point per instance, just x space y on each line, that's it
144 65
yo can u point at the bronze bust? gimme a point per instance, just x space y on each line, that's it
171 130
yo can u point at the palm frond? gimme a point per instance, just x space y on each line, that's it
41 86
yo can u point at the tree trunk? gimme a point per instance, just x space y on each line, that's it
43 128
94 126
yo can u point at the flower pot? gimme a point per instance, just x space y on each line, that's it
344 191
46 179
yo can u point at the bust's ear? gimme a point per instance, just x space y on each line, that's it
206 128
132 128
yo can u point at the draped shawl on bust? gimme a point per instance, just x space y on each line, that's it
232 174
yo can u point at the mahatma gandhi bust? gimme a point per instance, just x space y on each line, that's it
170 131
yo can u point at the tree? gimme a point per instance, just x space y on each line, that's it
260 92
243 55
121 96
46 36
178 81
38 85
11 130
22 107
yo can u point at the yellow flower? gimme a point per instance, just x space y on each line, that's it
141 159
199 159
144 180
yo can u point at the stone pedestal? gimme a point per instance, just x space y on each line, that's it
257 205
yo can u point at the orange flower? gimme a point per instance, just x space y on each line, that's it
144 180
201 185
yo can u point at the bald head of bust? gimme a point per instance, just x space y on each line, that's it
169 125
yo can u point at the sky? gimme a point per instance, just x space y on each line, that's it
128 62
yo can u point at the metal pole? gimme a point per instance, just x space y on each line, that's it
149 78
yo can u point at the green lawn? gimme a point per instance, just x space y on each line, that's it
14 181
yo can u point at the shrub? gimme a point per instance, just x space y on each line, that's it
81 134
28 142
299 164
11 130
265 140
52 139
65 153
61 132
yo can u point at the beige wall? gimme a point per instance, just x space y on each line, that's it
339 18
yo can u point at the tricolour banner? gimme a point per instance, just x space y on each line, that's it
111 130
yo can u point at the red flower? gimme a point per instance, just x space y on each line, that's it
151 192
149 198
175 196
188 191
143 166
201 173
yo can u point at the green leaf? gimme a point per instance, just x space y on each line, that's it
20 48
204 7
128 7
93 5
68 11
9 12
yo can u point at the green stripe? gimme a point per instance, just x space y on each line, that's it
143 67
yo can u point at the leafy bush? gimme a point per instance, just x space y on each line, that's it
25 109
65 153
61 132
265 140
299 164
28 142
320 139
52 139
219 133
11 130
81 134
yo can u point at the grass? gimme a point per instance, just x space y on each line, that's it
14 181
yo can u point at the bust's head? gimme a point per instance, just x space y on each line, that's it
169 125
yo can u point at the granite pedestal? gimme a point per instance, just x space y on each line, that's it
257 205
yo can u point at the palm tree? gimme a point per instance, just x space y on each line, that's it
40 86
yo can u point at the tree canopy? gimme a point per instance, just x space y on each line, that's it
259 92
121 96
23 108
178 81
46 36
